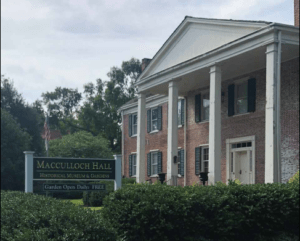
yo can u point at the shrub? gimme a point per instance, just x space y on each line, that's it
233 212
32 217
95 199
295 178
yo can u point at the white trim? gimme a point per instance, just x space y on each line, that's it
152 132
155 175
133 153
135 135
203 145
182 27
229 150
156 150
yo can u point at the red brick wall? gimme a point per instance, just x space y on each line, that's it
296 12
153 141
290 119
233 127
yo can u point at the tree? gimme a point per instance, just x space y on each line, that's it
14 140
30 117
98 114
62 105
80 144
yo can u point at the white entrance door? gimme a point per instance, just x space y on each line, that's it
242 164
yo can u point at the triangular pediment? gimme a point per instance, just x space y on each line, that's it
195 37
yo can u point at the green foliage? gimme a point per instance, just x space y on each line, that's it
30 117
95 199
221 212
98 115
80 145
32 217
295 178
14 141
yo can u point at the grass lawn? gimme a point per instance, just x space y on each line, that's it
79 202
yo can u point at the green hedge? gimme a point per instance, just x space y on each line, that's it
234 212
95 199
35 217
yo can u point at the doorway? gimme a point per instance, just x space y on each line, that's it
240 159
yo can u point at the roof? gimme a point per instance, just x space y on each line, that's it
187 18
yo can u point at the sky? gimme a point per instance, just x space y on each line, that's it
68 43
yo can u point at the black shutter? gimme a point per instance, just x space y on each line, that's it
197 160
149 164
179 160
159 162
181 163
130 165
159 118
198 108
130 125
149 120
251 94
182 112
231 100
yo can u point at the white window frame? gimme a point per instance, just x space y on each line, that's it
202 106
179 107
133 160
133 125
202 158
152 130
155 164
236 84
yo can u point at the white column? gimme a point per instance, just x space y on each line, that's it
272 158
214 174
172 170
141 134
28 171
118 172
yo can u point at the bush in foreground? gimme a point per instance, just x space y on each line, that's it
234 212
33 217
95 199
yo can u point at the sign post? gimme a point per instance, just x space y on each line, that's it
28 171
118 179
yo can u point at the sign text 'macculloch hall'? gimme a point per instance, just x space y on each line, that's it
63 168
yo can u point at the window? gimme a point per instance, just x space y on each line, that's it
132 165
154 163
205 107
241 145
201 159
179 113
134 124
202 107
241 98
180 162
205 159
154 114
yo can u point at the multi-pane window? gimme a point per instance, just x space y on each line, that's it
133 165
205 159
205 107
154 162
241 145
134 124
154 119
179 113
242 98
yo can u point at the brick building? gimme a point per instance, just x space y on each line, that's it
220 96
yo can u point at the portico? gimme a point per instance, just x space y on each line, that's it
265 47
